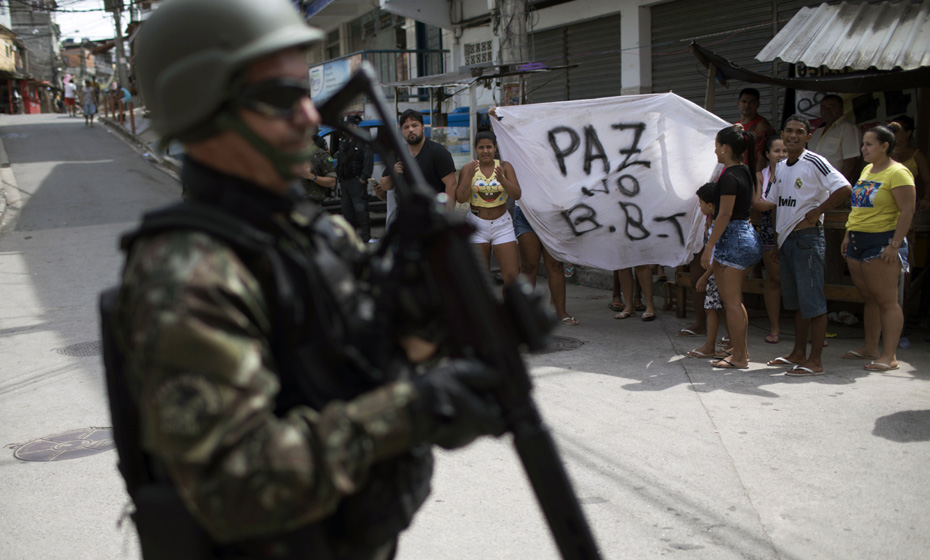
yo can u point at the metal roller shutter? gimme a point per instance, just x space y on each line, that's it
735 29
549 48
595 47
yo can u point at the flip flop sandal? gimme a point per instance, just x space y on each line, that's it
729 364
616 307
571 321
878 366
623 315
780 361
696 354
687 332
801 371
639 306
771 338
649 317
853 355
724 341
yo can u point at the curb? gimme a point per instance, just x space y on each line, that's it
4 163
148 151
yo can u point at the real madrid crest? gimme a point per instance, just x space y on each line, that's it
797 183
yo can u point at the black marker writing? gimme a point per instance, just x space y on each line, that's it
581 218
561 153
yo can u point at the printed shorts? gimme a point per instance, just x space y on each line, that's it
495 232
520 224
864 246
739 247
801 260
712 295
767 231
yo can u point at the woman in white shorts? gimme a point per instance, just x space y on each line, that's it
486 184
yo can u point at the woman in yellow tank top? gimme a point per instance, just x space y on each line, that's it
486 184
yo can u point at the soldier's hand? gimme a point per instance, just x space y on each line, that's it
455 404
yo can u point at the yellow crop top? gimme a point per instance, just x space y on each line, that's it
487 192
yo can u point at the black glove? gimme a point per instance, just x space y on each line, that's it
455 404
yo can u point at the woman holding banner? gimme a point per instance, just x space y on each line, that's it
733 246
486 184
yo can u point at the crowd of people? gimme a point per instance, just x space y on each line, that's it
792 187
85 100
763 215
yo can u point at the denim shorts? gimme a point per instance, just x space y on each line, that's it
520 224
864 246
495 232
801 259
739 247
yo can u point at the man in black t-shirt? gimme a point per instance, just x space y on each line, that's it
434 160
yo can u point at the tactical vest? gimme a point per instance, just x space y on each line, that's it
322 345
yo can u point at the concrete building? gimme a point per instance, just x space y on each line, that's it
34 23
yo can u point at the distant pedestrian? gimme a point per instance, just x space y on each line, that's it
71 99
89 102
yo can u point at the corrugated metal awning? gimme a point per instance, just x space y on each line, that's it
858 36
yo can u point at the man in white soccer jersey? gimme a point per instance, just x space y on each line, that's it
805 186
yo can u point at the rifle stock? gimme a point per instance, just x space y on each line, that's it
477 324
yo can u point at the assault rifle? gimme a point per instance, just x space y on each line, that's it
425 244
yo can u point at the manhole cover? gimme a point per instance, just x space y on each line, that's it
561 344
69 445
81 349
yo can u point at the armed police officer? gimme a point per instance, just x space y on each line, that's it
267 394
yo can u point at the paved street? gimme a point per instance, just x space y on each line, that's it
669 457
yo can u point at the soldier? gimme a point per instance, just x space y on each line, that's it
319 174
268 393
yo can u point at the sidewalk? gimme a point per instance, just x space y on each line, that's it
145 138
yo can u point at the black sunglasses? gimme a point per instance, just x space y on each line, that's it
274 98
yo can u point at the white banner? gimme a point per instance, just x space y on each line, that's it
610 183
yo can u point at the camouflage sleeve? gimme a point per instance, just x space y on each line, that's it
196 328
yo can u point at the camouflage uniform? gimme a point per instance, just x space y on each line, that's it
248 457
322 164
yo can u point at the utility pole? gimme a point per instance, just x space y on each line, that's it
116 6
514 48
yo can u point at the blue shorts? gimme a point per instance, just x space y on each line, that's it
520 225
739 247
801 259
864 246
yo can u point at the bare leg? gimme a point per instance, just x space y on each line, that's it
697 298
872 319
625 277
508 259
556 284
772 289
818 330
882 281
529 256
615 298
730 285
644 275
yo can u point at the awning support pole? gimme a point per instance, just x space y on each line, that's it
711 87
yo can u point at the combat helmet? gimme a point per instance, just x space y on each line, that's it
188 53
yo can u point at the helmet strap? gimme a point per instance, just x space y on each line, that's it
283 162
